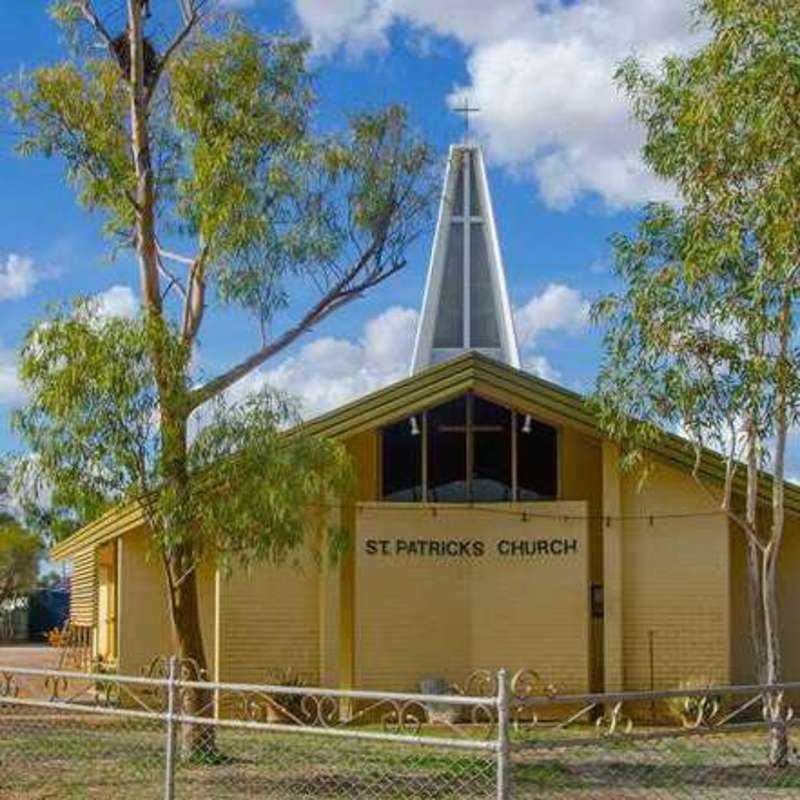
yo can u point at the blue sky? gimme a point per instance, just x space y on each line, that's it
562 155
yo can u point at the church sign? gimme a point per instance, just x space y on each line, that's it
470 548
448 591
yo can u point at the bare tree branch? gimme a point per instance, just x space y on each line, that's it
176 257
192 11
195 298
90 15
344 291
172 279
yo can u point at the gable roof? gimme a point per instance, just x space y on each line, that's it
470 371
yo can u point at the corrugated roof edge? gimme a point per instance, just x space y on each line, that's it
467 371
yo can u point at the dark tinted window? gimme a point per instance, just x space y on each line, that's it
483 319
491 447
450 321
537 459
402 460
473 434
447 452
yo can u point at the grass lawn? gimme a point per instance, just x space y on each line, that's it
53 756
720 766
68 757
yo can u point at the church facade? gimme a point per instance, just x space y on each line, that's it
491 527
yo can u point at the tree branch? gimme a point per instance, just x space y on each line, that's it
170 276
195 298
192 11
343 292
91 17
176 257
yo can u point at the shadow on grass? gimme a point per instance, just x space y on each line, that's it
336 785
622 774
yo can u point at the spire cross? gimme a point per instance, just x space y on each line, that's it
466 110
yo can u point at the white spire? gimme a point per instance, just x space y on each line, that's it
466 305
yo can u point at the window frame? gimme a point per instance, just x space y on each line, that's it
515 413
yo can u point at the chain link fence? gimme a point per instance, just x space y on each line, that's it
720 743
72 735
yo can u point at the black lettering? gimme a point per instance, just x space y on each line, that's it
452 547
557 547
385 547
413 548
401 546
463 548
478 549
542 546
502 547
571 546
371 547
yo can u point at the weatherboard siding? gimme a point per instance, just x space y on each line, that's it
268 621
145 628
83 585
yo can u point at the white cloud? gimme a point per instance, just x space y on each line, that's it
558 308
11 391
18 276
327 372
541 72
118 301
540 366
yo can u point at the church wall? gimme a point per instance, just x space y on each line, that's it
675 583
269 620
581 479
145 630
340 633
420 615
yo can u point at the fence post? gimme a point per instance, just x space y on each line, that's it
169 776
503 749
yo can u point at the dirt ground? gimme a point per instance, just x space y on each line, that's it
28 655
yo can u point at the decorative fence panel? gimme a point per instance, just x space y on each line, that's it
73 735
77 735
721 743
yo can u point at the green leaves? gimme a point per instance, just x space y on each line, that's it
248 490
265 491
215 174
20 551
696 340
78 114
724 124
92 413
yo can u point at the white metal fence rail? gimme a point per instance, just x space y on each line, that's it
130 736
79 735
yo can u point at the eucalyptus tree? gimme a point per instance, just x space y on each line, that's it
702 337
20 553
200 152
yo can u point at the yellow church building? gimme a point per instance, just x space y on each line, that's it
491 527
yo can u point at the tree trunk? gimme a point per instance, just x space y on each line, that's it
754 592
181 562
775 710
198 741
